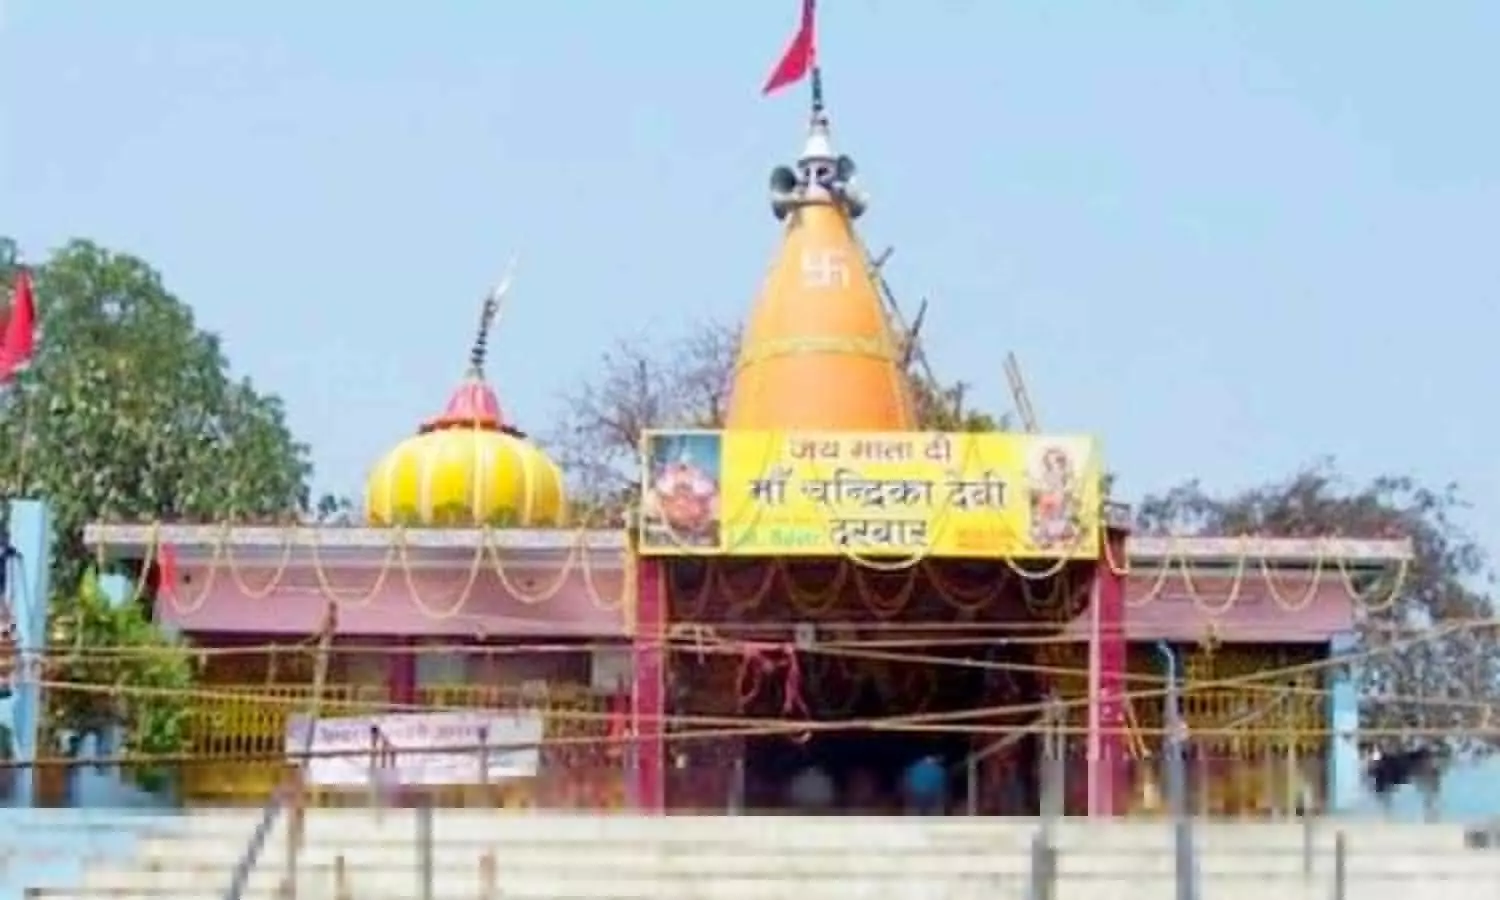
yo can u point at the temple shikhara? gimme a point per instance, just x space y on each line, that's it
820 584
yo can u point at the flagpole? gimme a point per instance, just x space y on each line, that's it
810 23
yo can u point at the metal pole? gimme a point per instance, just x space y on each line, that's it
486 796
632 765
737 786
971 766
1043 882
1176 777
424 845
1340 866
1054 747
1309 845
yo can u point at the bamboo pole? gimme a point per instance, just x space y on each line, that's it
297 777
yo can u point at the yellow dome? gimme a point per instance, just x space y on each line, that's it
466 468
466 475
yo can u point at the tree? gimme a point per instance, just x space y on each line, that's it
95 643
129 413
682 382
941 408
333 510
1433 661
677 383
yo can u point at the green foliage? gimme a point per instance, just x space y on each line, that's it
333 509
1434 660
138 677
941 408
129 413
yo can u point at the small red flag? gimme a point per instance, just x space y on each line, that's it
18 343
166 571
798 59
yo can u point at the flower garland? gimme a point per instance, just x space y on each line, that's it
488 556
809 598
692 596
1176 562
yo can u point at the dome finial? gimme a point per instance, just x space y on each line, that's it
489 311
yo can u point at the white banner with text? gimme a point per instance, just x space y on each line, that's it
418 749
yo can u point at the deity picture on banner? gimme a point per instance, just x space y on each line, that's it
680 499
1057 517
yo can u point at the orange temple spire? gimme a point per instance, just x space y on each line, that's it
818 352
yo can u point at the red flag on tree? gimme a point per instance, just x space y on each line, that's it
18 342
800 54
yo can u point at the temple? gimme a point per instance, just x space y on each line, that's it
820 583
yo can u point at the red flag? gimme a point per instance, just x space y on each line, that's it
166 571
798 59
18 343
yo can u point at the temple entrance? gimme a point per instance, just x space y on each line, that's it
883 667
896 714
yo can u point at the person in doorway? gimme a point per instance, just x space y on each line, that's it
924 787
812 791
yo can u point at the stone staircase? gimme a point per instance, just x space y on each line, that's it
353 855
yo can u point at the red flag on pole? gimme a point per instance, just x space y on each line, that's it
800 54
18 343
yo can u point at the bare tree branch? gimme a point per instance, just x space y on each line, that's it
1436 663
641 385
682 382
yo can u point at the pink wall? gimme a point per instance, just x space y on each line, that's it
424 602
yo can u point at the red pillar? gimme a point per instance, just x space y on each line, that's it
1109 745
648 690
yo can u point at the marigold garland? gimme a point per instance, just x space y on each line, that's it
1176 561
397 556
691 597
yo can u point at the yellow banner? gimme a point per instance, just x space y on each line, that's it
898 494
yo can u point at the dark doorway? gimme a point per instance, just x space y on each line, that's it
866 764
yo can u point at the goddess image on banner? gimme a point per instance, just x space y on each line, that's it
897 494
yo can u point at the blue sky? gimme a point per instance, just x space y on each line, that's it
1227 237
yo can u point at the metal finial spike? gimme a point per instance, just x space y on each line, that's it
489 311
817 91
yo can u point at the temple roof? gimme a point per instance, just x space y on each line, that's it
818 352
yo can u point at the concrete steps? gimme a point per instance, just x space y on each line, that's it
354 855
